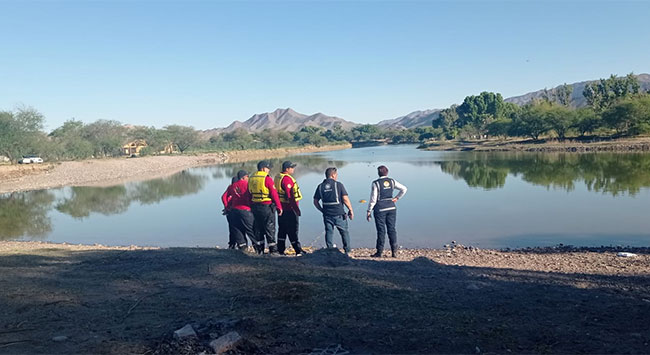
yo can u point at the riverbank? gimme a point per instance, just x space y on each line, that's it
91 299
105 172
639 144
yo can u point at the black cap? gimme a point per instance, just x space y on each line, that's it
287 164
234 180
241 174
264 164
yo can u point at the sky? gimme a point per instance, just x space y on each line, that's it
208 63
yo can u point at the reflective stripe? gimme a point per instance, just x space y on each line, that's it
272 244
387 209
257 187
336 194
283 239
295 189
260 243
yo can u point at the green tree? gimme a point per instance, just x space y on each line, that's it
606 92
480 110
20 131
532 121
586 120
631 116
106 136
182 136
560 119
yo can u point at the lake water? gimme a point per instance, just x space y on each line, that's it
489 200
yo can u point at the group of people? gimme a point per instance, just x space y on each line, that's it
252 201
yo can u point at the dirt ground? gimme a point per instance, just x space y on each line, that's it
104 172
455 300
638 144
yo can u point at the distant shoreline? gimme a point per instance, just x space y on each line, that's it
621 145
113 171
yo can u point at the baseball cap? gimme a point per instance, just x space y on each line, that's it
264 164
241 174
287 164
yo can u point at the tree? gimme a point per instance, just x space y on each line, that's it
182 136
631 116
586 120
106 137
563 94
560 118
531 121
20 131
480 110
69 138
606 92
448 121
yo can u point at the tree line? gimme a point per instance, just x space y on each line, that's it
616 106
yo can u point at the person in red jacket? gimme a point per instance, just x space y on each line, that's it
289 194
239 208
265 201
225 198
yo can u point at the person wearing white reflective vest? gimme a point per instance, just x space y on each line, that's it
334 196
382 204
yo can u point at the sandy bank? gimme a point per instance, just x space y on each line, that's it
641 144
459 300
118 170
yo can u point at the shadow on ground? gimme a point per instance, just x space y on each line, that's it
131 302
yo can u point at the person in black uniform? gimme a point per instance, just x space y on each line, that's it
382 203
333 195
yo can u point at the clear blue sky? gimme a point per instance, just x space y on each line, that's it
206 64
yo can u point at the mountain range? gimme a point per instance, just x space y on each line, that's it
290 120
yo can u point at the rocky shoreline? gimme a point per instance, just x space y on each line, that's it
62 298
105 172
622 145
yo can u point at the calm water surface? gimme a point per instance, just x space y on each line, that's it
484 199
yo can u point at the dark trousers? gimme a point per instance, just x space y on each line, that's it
288 226
264 226
385 222
232 231
243 225
340 223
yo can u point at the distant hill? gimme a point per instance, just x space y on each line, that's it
577 99
286 120
412 120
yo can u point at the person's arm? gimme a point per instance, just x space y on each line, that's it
402 191
317 199
274 194
374 193
346 202
317 204
288 189
224 199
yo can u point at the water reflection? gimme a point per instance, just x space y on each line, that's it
307 164
25 214
606 173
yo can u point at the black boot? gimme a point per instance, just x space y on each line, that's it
376 255
273 249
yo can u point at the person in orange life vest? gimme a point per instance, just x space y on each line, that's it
265 201
239 207
289 194
225 199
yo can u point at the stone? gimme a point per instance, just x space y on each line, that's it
60 338
185 332
626 254
225 342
